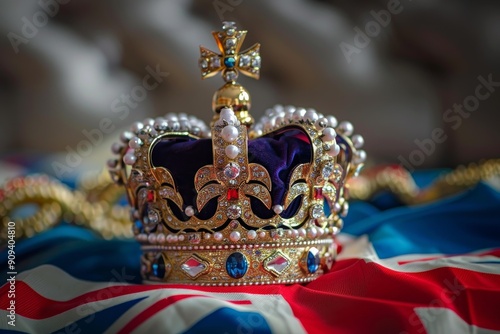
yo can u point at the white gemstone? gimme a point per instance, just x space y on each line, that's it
207 236
129 158
358 141
329 134
203 63
317 211
175 125
189 211
256 61
334 150
160 238
184 125
218 236
153 216
232 151
230 75
152 238
311 115
136 127
235 236
232 170
234 212
336 207
359 157
298 114
172 117
135 142
345 128
229 133
327 170
295 233
228 25
345 209
312 232
302 232
332 121
251 234
244 60
278 209
262 234
227 114
215 62
149 121
160 124
321 123
230 42
181 237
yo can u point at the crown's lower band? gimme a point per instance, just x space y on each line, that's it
229 265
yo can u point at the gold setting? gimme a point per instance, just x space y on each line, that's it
230 62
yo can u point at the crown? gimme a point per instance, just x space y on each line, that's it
237 203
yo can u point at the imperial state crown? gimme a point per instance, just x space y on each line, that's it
237 203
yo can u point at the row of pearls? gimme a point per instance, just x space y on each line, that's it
229 134
154 127
235 236
327 126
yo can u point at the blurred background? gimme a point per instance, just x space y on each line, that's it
74 71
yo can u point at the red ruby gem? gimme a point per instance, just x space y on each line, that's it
232 194
151 196
318 193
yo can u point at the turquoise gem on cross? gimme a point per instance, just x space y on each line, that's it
230 62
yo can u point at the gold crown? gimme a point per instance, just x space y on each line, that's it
237 203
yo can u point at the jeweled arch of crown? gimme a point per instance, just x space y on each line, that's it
293 241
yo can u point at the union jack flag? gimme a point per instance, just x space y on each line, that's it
424 269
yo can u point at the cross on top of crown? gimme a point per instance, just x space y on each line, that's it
231 61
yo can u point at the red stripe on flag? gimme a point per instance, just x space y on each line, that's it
360 297
162 304
32 305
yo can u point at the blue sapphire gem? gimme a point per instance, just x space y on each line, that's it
236 265
313 260
158 267
229 62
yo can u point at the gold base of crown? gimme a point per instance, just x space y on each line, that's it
235 265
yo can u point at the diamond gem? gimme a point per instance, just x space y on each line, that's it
232 170
153 216
234 212
244 60
230 42
230 75
256 61
203 63
215 62
316 211
193 267
277 263
327 170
